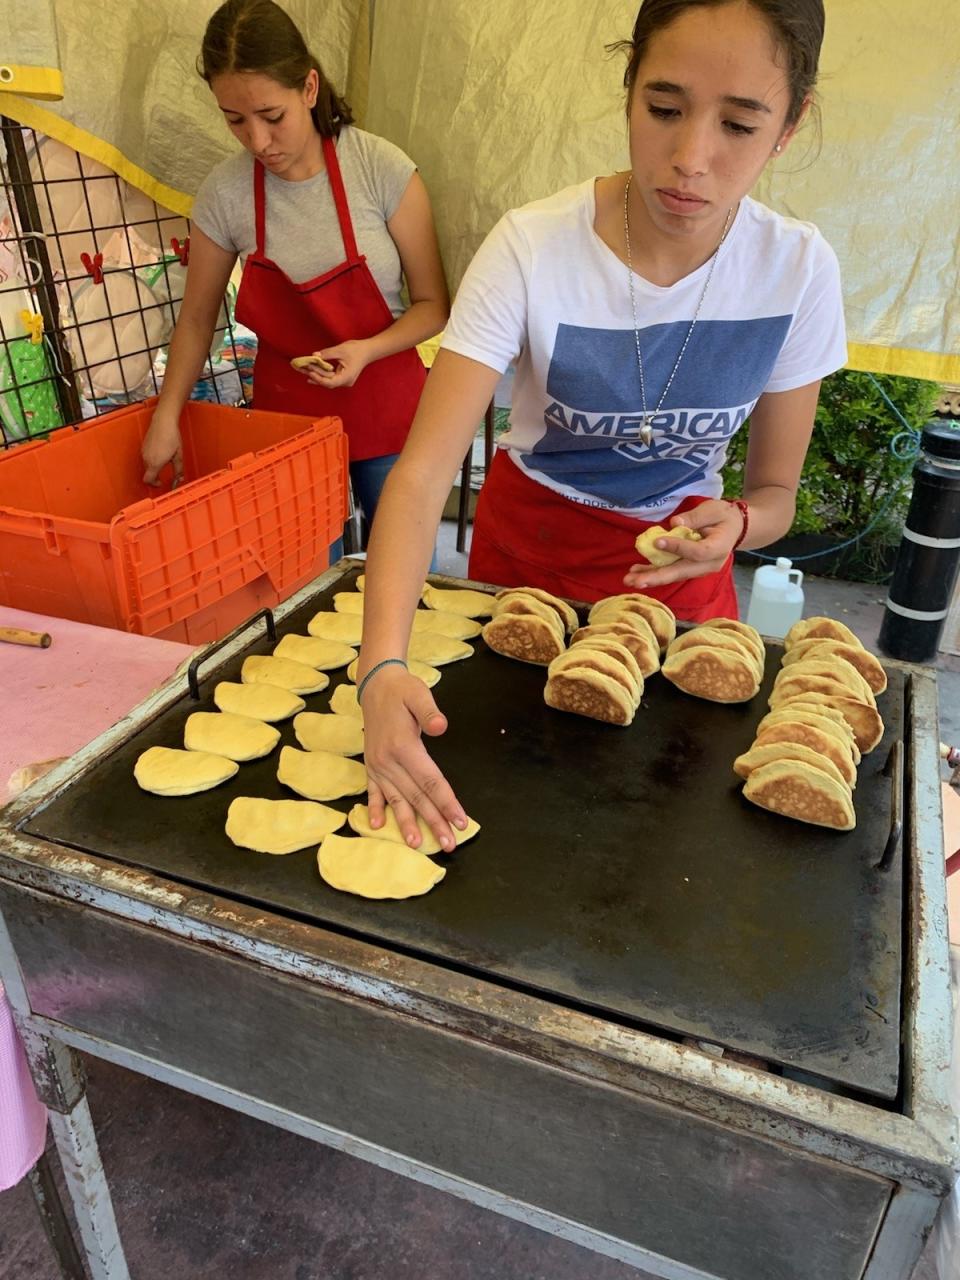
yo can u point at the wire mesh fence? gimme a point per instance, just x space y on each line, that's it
92 276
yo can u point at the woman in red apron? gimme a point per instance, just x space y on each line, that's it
331 222
648 314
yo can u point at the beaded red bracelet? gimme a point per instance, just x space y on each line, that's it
744 510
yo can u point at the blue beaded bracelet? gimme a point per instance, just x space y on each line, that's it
387 662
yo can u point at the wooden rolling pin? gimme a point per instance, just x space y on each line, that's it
14 635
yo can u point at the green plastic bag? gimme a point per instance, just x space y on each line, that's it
28 395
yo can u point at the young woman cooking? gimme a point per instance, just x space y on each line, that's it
331 221
650 313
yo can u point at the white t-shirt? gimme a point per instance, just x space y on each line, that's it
545 290
302 232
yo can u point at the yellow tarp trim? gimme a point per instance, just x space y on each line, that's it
71 135
36 82
903 362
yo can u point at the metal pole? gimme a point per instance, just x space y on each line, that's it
929 554
54 1220
28 215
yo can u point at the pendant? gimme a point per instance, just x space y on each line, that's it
646 434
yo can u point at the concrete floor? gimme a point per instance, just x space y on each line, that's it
203 1192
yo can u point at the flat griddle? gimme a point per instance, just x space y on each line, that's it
617 870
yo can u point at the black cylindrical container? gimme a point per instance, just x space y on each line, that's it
929 554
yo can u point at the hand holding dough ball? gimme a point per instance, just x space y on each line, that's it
646 543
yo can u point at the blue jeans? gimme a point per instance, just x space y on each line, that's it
368 478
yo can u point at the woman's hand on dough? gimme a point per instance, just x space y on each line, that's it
719 523
349 359
397 709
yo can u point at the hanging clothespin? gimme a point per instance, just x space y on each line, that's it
33 324
181 250
93 266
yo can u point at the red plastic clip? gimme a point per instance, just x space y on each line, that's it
181 250
93 266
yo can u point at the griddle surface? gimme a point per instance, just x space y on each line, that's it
617 869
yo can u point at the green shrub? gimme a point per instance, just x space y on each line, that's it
856 467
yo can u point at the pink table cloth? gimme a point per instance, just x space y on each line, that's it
23 1119
55 701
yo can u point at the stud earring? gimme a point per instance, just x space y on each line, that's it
778 148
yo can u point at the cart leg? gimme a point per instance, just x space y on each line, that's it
59 1080
54 1219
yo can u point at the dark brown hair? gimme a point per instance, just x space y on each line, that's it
257 36
796 24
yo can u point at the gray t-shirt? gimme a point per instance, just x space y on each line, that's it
302 233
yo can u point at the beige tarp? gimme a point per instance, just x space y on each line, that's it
498 109
132 95
501 102
29 52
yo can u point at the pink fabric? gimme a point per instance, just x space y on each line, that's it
55 701
23 1119
58 699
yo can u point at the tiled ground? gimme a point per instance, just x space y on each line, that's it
201 1192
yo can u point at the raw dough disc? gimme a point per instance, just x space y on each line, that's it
321 775
472 604
279 826
346 628
348 602
343 735
167 771
313 651
435 650
376 868
222 733
262 701
454 625
344 702
359 821
295 676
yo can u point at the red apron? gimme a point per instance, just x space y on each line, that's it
525 535
292 319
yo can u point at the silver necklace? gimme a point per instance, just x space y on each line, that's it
646 431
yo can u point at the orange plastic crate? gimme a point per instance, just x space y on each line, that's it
82 537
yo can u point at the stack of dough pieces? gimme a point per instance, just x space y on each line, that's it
634 610
721 660
828 675
823 717
596 677
530 625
